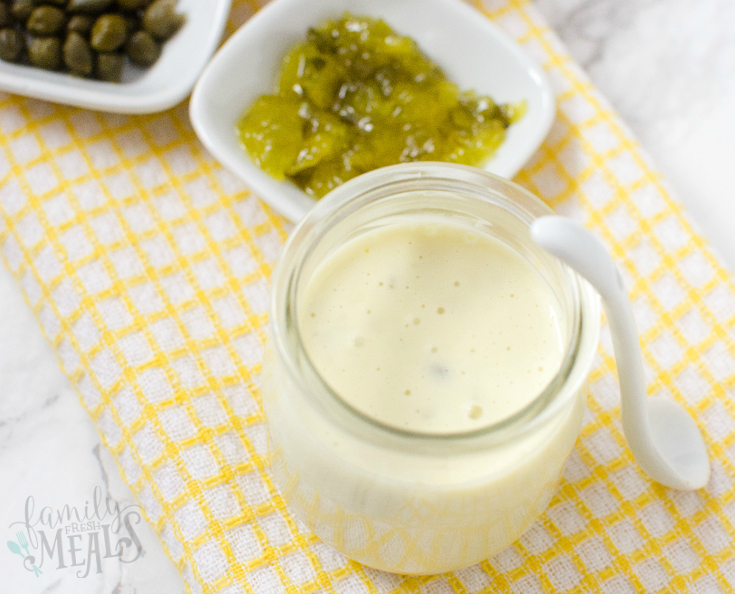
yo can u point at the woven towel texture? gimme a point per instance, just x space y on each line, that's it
147 265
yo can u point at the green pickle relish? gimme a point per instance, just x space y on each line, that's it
356 96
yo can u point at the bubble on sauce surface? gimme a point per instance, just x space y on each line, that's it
475 411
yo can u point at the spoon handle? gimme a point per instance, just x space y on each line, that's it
583 252
632 381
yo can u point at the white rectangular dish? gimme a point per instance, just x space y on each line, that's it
165 84
473 52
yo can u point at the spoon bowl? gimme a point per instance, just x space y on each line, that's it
14 548
680 443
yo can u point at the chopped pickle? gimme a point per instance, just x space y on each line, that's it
272 133
356 96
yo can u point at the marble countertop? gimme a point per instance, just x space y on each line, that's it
667 66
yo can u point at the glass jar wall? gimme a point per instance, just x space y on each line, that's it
408 501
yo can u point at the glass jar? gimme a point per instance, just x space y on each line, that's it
404 501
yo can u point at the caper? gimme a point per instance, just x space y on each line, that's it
86 37
161 20
45 52
46 20
78 55
6 17
110 66
108 33
11 45
142 49
88 6
133 4
22 9
80 23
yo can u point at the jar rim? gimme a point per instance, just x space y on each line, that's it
350 198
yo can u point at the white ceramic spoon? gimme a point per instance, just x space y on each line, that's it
662 435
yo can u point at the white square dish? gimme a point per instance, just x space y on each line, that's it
162 86
472 51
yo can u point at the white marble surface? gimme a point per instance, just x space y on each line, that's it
668 67
50 450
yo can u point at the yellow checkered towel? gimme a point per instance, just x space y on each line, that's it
147 265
